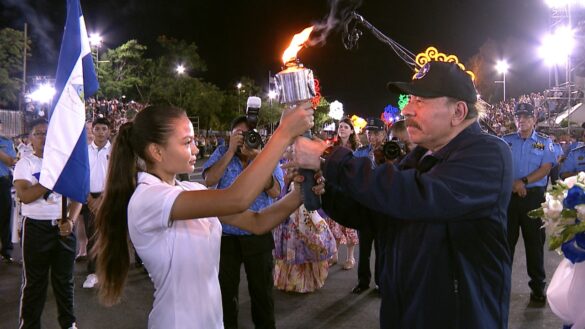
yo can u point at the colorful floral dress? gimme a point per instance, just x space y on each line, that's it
303 244
343 235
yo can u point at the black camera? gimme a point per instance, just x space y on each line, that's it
393 149
252 138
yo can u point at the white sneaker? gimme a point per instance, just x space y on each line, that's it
90 281
73 326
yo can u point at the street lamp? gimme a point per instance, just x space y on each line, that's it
180 69
272 95
239 86
502 68
95 40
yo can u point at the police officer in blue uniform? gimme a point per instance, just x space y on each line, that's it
7 160
376 135
574 163
532 157
559 155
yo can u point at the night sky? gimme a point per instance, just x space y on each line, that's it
247 38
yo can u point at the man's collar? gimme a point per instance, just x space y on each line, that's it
95 147
472 129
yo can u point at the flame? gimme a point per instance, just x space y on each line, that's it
297 42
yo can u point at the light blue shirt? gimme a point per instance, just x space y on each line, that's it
233 170
7 147
575 161
365 152
530 154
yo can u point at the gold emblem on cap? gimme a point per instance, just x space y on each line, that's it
433 54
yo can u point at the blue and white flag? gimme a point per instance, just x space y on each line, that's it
65 160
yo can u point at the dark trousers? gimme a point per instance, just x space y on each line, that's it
43 249
367 237
5 215
89 222
532 233
554 174
255 252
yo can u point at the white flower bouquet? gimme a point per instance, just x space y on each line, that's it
563 216
563 213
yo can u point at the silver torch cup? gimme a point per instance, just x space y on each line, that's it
296 85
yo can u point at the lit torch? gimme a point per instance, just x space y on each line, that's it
296 85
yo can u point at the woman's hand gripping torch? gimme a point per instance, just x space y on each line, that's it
296 85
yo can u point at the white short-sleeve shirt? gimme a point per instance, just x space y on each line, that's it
98 166
29 169
182 257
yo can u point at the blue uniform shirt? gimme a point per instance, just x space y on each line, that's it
558 151
573 146
575 161
530 154
7 147
233 170
365 152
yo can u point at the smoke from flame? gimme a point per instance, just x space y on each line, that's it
297 42
339 13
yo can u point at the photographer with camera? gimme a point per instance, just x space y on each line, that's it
399 135
239 246
376 135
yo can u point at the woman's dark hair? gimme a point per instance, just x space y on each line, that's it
151 125
353 140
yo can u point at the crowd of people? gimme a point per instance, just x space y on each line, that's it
442 212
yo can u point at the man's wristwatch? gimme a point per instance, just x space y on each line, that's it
524 180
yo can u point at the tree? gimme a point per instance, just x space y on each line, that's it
322 113
482 65
122 71
11 53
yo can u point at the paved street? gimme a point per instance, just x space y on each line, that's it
331 307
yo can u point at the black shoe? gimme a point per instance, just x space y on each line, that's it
359 289
537 299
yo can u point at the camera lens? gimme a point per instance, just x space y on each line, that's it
252 139
392 150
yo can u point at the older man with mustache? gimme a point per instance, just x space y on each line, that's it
441 212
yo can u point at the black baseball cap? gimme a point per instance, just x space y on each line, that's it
438 79
524 108
375 124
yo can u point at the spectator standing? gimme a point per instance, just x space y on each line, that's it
346 137
99 155
7 160
376 135
303 244
48 244
532 157
574 163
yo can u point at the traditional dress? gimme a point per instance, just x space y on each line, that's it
303 244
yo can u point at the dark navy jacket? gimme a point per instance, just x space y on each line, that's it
442 226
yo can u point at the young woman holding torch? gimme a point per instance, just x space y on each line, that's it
172 224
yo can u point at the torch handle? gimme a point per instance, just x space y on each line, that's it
311 200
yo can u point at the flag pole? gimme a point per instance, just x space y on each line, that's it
65 168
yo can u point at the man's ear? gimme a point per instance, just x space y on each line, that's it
460 113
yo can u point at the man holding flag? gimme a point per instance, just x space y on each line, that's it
59 167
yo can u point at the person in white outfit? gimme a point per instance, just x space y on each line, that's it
99 155
173 225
